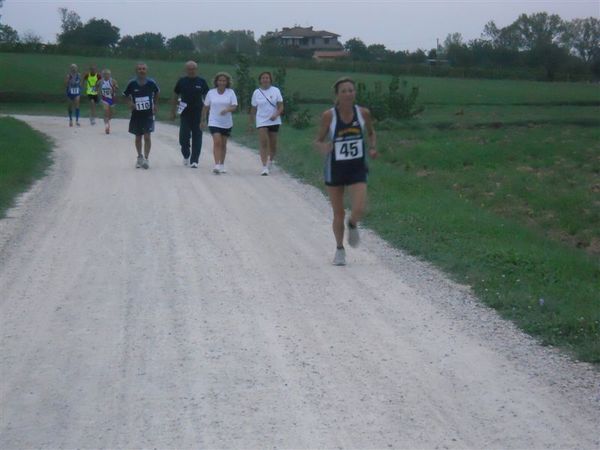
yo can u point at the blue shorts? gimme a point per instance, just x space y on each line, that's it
140 125
108 101
72 96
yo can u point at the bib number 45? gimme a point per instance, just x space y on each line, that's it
345 150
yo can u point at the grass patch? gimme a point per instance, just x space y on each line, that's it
24 157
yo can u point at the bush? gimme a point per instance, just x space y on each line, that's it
397 103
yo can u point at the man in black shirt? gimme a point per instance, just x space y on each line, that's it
142 94
191 90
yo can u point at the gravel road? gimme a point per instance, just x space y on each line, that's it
171 308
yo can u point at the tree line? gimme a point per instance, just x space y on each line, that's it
542 43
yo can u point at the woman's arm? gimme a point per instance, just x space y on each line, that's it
204 115
279 111
370 132
323 146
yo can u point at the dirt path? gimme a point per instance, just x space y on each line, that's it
172 308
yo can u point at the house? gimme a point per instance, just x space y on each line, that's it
305 39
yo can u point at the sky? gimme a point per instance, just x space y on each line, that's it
399 25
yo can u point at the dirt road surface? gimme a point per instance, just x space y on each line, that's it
171 308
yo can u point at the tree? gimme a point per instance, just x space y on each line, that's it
69 22
240 41
8 35
98 33
583 36
180 43
148 41
244 83
453 39
538 30
378 52
30 37
357 49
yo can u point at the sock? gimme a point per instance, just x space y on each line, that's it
77 114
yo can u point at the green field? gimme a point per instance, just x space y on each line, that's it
496 182
25 155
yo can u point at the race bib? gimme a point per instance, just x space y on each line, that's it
142 103
181 107
74 91
107 92
345 150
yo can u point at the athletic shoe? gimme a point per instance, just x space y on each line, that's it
70 123
146 164
271 165
194 165
186 161
216 169
340 257
265 171
140 162
78 124
353 236
107 129
222 169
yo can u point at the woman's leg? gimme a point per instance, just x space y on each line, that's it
336 197
217 144
263 136
272 145
223 149
358 199
77 99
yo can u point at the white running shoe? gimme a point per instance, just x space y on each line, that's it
265 171
194 165
140 162
186 161
222 169
353 236
146 164
217 169
340 257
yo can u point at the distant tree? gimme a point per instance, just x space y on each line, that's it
30 37
357 49
507 37
99 33
180 43
8 35
417 57
583 36
378 52
208 41
453 39
149 41
126 42
69 22
432 54
539 29
240 41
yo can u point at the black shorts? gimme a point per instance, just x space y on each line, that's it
345 173
140 125
217 130
271 128
94 98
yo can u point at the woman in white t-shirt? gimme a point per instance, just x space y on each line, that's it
219 103
267 108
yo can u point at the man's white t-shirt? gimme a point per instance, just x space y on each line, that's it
218 102
265 102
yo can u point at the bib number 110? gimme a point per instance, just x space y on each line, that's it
345 150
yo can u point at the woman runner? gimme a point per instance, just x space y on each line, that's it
73 91
107 86
220 102
267 108
346 125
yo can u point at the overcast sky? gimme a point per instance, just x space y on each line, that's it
399 25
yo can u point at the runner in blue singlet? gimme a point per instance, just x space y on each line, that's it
341 139
73 90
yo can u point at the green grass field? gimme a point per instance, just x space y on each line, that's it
496 182
24 157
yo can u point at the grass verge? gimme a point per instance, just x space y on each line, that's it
24 157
